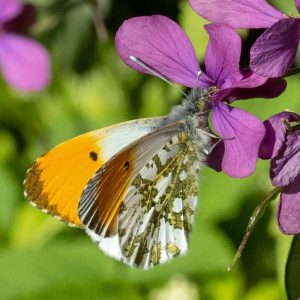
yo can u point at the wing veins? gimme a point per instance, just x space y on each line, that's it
113 207
151 232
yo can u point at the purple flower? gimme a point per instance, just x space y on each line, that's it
163 45
274 51
282 145
24 63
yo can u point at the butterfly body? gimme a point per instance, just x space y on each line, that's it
138 199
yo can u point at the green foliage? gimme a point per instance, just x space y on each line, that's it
292 271
42 258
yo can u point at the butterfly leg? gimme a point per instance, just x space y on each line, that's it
217 143
207 133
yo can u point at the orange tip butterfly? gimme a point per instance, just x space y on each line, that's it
133 186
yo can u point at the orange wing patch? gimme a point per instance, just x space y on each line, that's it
56 180
105 195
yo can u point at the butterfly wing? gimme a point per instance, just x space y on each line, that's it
102 197
157 213
57 179
143 215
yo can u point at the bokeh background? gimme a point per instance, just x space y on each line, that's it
41 258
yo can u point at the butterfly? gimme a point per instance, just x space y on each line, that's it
133 186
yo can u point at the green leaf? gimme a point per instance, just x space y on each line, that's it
9 196
69 270
154 99
8 146
225 202
76 264
267 289
74 32
287 7
292 271
193 24
228 287
32 227
264 108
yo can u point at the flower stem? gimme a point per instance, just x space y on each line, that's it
98 21
292 72
257 213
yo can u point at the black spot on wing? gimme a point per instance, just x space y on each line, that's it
93 156
126 165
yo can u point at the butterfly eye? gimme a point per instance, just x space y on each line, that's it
201 104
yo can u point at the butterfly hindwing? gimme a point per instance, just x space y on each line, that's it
144 215
157 213
57 179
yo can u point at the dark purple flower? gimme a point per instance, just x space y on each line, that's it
24 63
274 52
297 4
163 45
282 145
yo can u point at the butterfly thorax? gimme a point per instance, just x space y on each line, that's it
194 114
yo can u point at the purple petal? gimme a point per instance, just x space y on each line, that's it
9 10
275 136
274 51
24 63
252 86
288 210
285 166
242 134
161 44
22 22
238 14
272 88
216 157
222 59
250 80
297 3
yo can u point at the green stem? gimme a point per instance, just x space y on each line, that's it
98 21
257 213
292 72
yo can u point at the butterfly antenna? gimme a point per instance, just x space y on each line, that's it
155 73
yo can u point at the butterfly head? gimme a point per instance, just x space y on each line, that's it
197 103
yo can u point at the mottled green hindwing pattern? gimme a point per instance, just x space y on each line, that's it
157 213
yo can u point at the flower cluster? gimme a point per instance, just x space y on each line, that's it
24 63
161 44
281 144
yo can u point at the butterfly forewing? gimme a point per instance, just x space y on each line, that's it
100 202
56 180
157 213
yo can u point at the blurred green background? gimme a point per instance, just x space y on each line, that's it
41 258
